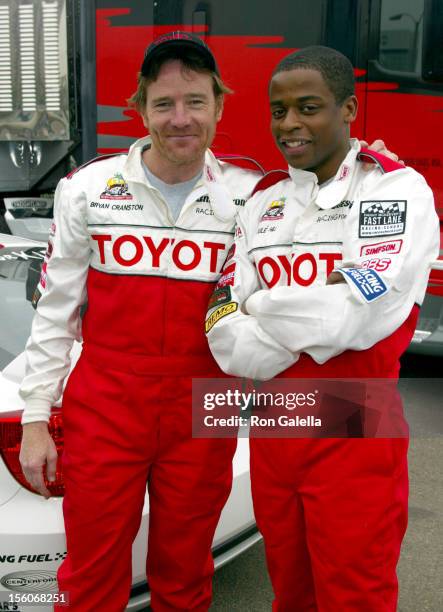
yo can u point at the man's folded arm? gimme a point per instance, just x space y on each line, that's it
370 304
239 344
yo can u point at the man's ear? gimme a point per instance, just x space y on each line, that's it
219 105
349 109
145 120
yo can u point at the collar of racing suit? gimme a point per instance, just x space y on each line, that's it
211 183
333 192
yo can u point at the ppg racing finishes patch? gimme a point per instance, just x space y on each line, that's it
218 314
116 189
382 218
365 283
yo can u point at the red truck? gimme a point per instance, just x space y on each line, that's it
68 67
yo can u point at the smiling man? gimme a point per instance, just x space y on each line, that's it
180 113
308 123
142 237
328 268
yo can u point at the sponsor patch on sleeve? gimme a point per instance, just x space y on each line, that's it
35 298
220 296
390 246
376 263
366 282
43 274
218 314
382 218
227 277
230 254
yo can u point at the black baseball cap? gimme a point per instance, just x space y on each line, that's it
179 39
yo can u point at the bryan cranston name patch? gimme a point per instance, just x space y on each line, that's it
382 218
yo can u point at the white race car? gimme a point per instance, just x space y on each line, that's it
32 539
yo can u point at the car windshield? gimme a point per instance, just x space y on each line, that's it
19 274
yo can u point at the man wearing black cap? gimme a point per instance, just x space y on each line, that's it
143 236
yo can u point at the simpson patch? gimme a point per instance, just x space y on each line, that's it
391 246
218 314
367 282
382 218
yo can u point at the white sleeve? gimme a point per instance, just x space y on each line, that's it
379 291
236 340
57 321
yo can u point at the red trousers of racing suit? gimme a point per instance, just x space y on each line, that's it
127 420
333 512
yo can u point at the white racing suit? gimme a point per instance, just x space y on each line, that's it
332 511
127 404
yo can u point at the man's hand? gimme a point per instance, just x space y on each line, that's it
38 452
379 147
334 278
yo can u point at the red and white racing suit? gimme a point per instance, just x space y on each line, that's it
332 511
127 404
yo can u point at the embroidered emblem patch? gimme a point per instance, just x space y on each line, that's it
274 210
382 218
218 314
116 189
368 283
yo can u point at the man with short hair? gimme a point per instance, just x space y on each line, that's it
328 268
142 237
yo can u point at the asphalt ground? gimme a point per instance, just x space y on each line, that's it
243 585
